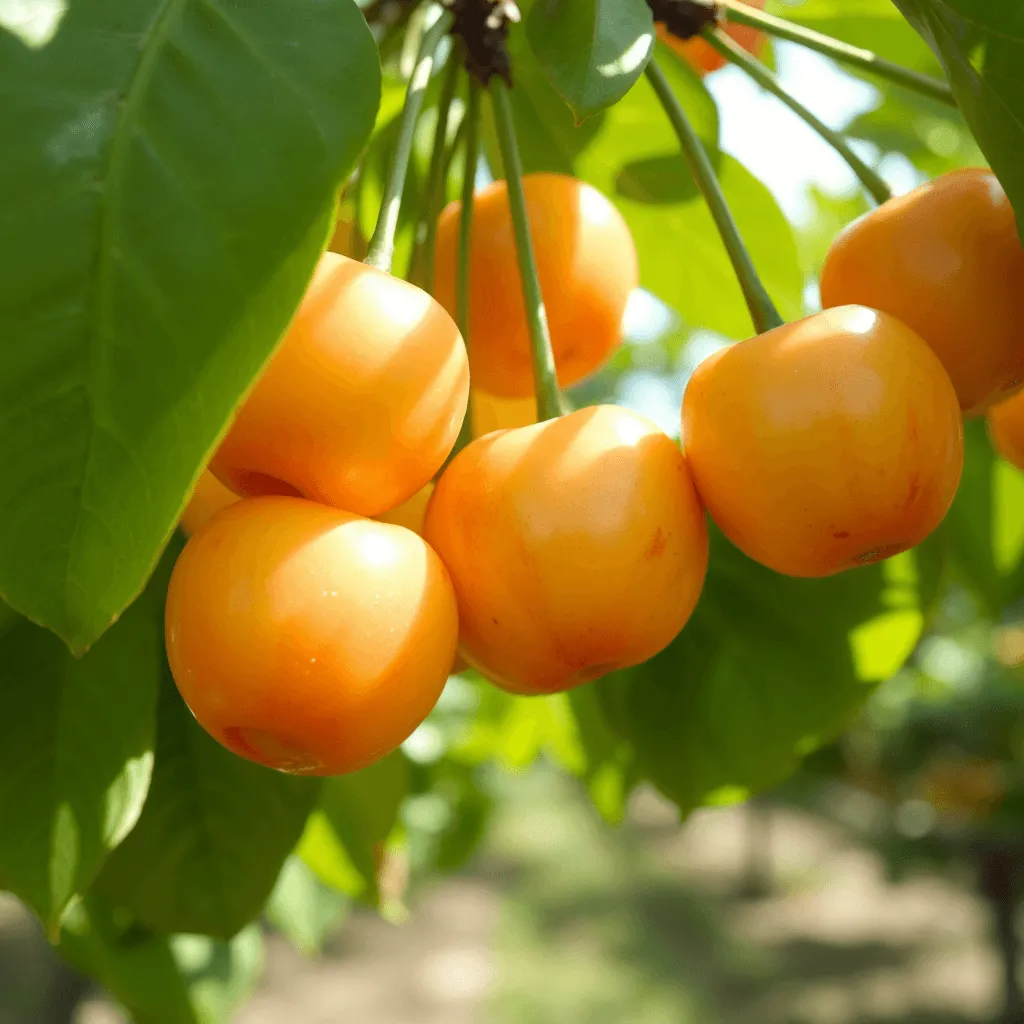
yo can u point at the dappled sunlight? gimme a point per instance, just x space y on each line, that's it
630 60
34 22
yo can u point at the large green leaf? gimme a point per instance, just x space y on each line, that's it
632 155
212 837
767 669
591 50
344 839
168 180
184 979
76 750
981 46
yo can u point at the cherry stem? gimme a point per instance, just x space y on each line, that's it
762 309
844 53
545 380
381 251
472 123
421 265
732 51
466 214
458 142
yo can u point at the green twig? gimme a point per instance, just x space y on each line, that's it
466 213
462 281
732 51
421 264
762 310
854 56
545 380
381 251
459 142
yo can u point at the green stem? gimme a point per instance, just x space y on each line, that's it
472 123
466 213
762 310
421 265
854 56
545 379
732 51
381 250
459 142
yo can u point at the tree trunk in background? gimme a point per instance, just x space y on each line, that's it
998 880
759 871
67 989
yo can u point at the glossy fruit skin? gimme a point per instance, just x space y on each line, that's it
702 57
825 444
493 413
946 260
576 546
1006 429
411 514
587 264
209 497
306 638
362 402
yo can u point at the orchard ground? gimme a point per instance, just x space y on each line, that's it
563 920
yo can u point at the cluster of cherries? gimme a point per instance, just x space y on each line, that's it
341 562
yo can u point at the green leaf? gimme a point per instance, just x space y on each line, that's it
184 979
219 976
592 51
302 908
169 177
984 531
981 47
8 617
344 838
875 25
932 137
471 812
76 750
768 669
610 771
631 154
213 834
134 965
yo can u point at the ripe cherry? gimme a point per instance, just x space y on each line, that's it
1006 429
825 444
576 546
946 260
587 264
361 403
704 58
306 638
